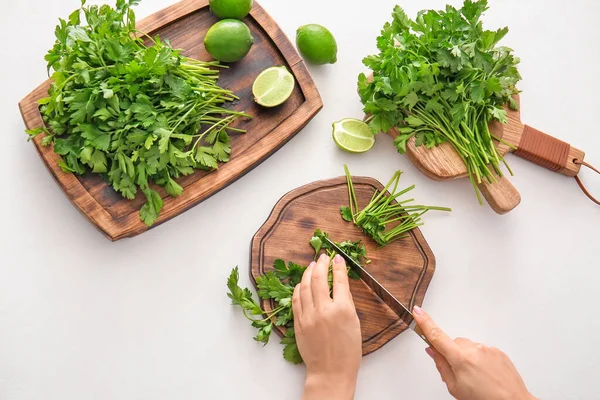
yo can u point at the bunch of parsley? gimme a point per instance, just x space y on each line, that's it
278 286
442 78
134 113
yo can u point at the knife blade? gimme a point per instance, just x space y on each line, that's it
389 299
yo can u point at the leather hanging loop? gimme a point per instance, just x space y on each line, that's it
581 185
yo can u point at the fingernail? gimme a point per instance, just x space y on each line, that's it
418 310
338 259
312 264
324 257
429 352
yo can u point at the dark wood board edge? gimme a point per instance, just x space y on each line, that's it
211 184
388 333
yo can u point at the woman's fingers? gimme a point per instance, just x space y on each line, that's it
297 303
319 281
438 339
442 366
306 297
341 286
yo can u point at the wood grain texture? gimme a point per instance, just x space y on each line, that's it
185 25
405 267
501 195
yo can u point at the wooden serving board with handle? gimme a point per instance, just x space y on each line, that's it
405 267
444 163
185 25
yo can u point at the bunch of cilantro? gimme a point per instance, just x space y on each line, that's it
442 78
134 113
278 286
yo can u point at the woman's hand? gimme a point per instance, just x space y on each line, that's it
472 371
327 331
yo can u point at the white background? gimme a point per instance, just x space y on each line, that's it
147 318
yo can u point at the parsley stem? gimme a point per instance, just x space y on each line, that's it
385 210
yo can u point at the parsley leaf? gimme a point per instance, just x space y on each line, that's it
290 351
149 211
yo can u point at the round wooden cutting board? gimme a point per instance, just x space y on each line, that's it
405 267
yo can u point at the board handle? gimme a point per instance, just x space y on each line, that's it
549 152
502 196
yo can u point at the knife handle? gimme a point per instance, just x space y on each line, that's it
419 332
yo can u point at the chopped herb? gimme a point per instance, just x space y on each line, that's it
385 218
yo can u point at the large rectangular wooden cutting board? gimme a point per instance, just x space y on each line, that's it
185 25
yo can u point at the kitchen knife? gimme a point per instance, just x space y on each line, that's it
388 298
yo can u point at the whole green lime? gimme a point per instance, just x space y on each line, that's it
316 44
228 40
236 9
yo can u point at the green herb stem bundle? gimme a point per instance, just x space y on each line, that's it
386 218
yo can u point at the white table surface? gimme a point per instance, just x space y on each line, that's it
147 318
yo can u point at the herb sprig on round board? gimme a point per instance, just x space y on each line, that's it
442 78
133 113
278 286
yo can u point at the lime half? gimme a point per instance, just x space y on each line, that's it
273 86
353 135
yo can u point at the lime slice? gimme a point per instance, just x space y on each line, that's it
273 86
353 135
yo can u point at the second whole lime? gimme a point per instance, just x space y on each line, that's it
228 40
316 44
236 9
